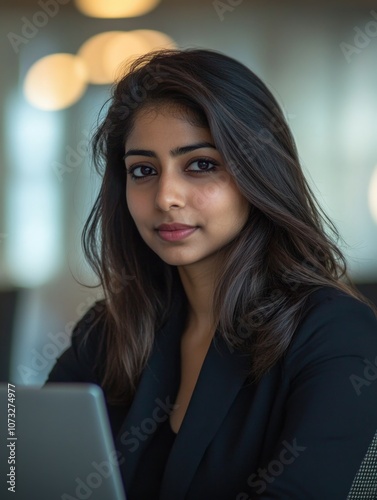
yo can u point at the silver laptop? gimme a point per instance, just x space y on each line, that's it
57 444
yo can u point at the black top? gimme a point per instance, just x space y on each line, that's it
148 477
304 431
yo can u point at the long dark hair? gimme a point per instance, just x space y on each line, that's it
281 255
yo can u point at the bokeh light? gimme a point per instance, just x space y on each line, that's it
156 39
56 81
121 50
108 54
115 8
92 53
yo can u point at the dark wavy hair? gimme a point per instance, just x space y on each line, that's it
277 260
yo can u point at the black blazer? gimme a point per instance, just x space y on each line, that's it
300 433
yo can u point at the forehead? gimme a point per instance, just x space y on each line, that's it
166 120
172 109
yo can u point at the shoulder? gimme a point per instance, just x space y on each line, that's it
333 324
91 321
89 332
327 305
84 359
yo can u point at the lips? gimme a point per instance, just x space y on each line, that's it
174 227
175 231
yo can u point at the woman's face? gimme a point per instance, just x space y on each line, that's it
176 176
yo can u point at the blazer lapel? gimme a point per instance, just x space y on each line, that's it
155 395
221 377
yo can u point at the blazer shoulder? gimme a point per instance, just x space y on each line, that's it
89 326
84 359
333 323
329 302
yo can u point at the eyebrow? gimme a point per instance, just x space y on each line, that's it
179 151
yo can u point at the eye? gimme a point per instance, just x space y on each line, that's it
204 165
143 171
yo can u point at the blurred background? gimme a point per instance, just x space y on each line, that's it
57 61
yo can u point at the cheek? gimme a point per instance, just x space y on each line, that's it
212 193
240 204
234 211
135 205
243 211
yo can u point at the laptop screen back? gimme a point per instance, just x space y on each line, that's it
62 447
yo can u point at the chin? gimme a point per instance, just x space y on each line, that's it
177 260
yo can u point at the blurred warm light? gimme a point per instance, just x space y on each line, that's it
121 50
156 39
372 195
116 8
92 53
108 54
55 82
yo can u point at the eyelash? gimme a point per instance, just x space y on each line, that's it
214 164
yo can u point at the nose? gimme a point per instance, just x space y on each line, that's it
170 192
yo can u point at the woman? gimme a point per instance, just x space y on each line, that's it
236 357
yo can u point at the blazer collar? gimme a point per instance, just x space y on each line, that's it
221 377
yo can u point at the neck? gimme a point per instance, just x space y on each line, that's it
199 284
